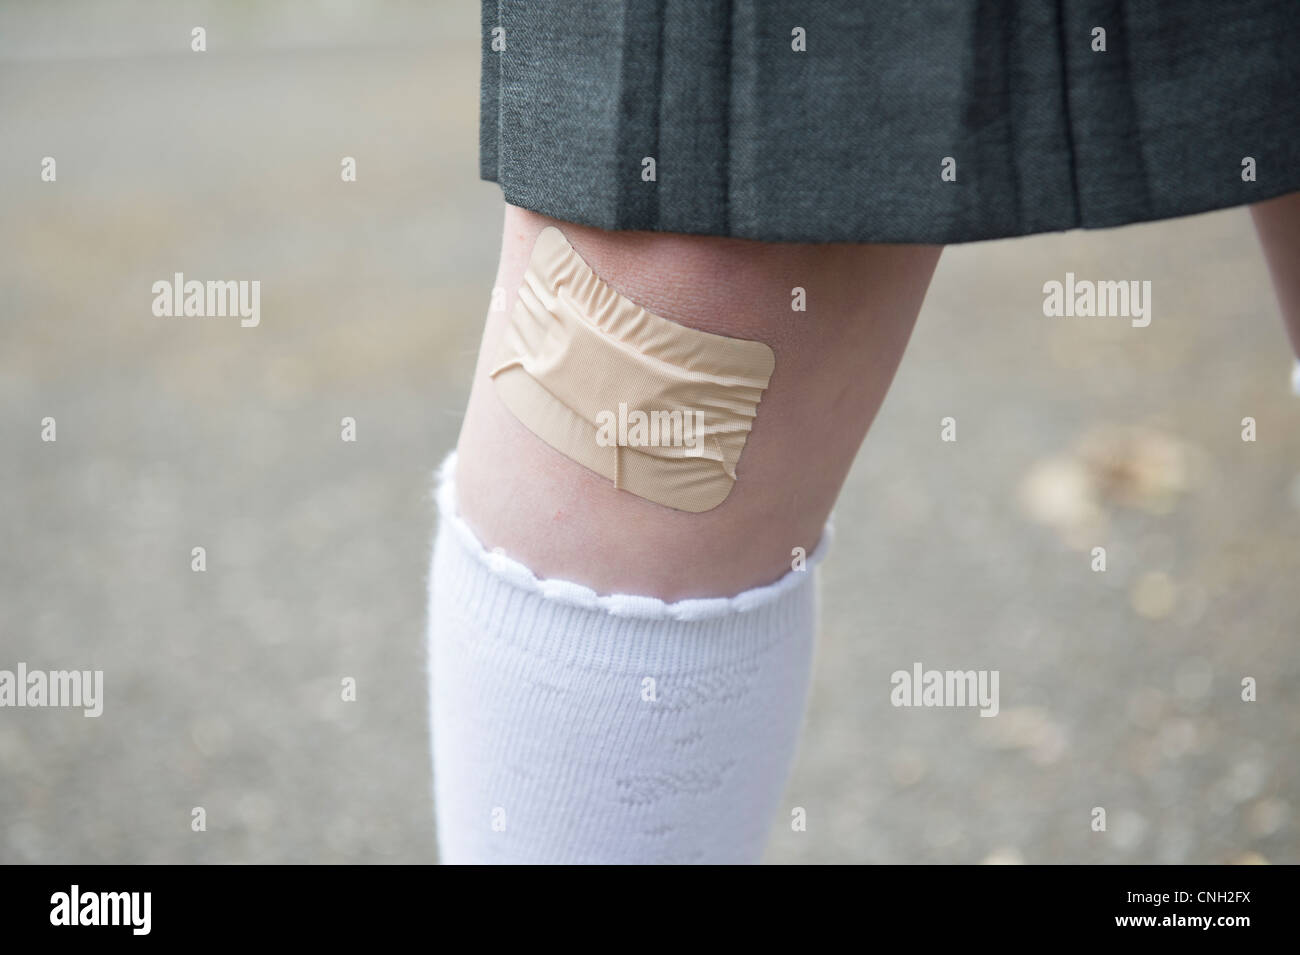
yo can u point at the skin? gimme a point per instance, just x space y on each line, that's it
1278 224
834 364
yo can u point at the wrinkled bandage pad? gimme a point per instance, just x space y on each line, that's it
661 410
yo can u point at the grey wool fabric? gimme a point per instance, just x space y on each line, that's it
898 120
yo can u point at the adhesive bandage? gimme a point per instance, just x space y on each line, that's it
661 410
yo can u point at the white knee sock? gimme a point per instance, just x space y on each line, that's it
569 727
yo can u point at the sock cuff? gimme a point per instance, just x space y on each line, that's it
619 605
559 619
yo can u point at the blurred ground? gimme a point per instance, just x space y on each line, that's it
1118 689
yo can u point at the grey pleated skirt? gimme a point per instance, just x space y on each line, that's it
888 121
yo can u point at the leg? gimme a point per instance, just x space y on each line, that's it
1278 224
566 731
834 363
